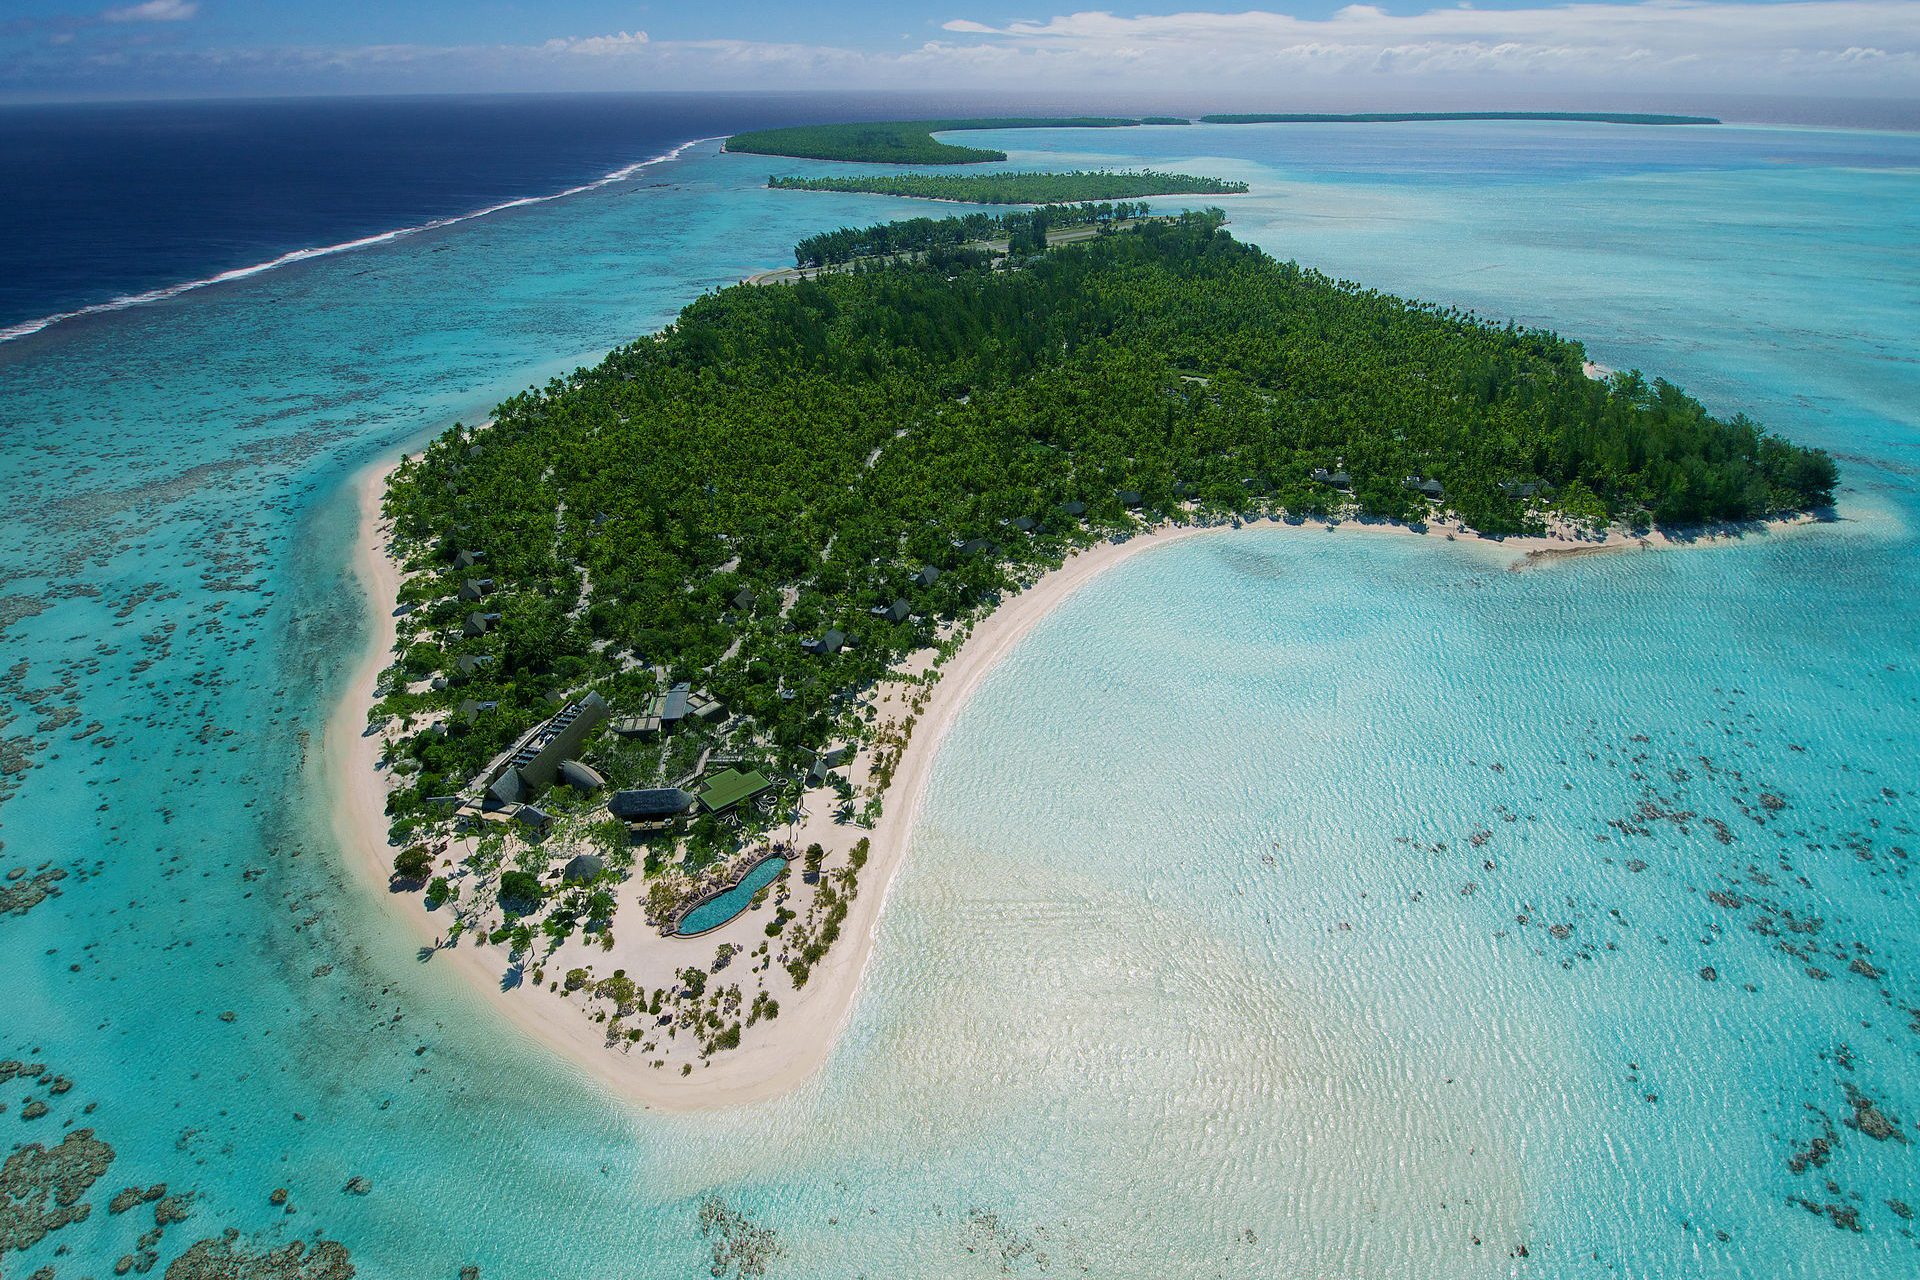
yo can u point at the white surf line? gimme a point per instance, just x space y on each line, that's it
122 303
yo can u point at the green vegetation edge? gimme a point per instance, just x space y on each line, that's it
1019 188
904 141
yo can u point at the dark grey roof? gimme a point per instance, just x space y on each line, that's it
927 576
1074 509
583 868
675 705
1026 524
1129 497
507 788
743 598
649 805
472 709
581 776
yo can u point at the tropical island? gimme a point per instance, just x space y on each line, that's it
1418 117
1020 188
911 141
673 637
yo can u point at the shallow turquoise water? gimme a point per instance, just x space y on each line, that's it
722 907
1184 974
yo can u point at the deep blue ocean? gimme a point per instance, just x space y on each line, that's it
116 200
108 200
1289 904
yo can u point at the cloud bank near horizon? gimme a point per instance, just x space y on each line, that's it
1866 47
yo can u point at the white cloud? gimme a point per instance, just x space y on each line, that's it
1650 42
620 42
154 11
1586 48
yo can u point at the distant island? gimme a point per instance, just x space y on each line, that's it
1020 188
663 630
910 141
1412 117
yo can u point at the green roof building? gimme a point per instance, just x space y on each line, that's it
732 787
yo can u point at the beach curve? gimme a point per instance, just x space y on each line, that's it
785 1054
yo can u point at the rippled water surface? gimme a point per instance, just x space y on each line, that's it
1291 904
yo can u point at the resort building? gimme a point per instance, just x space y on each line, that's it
583 778
534 763
583 868
506 789
476 589
898 611
653 804
927 576
830 643
478 624
1337 479
825 762
536 821
731 788
666 711
1423 485
472 709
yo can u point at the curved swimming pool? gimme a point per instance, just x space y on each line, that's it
722 907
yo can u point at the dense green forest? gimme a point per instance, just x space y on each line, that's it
1023 232
902 141
1408 117
1020 188
787 461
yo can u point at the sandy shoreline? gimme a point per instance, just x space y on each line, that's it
780 1055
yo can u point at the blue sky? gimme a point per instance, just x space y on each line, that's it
1499 48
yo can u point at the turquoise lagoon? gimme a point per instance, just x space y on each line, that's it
1290 904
